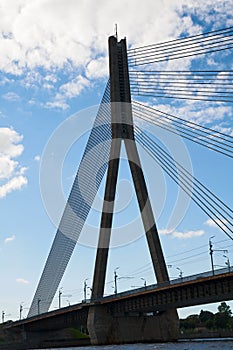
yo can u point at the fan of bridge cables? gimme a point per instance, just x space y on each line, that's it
212 86
214 41
215 85
89 175
215 208
201 135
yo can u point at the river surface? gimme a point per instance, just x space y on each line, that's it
182 345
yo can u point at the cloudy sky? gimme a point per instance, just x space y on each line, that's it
53 64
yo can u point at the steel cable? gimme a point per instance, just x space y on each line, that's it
181 48
201 197
208 138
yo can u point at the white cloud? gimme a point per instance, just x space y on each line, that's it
11 172
11 96
22 281
225 130
9 142
16 183
212 223
7 167
188 234
68 91
165 232
9 239
97 68
72 36
47 86
76 32
57 104
199 113
37 158
21 171
74 87
182 235
51 78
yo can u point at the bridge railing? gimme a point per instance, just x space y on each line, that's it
173 281
141 289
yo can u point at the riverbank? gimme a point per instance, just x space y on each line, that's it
206 334
191 335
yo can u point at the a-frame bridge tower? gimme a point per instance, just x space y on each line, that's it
104 328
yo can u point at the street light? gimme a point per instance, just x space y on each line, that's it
115 279
20 310
4 315
227 263
143 279
181 272
212 251
59 297
85 289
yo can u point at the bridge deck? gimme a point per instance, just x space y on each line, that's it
193 290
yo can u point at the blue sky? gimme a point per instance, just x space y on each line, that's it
53 64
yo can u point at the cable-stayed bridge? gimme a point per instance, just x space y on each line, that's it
153 307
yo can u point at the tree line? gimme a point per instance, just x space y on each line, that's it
222 319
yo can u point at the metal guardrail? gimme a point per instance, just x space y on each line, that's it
137 290
171 282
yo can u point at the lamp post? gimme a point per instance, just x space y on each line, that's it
85 289
181 272
143 279
20 310
177 268
59 297
115 280
212 251
211 254
4 316
227 263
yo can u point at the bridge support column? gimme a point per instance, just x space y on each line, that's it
105 328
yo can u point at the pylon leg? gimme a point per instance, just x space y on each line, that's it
146 212
106 221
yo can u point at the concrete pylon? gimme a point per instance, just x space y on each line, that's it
103 327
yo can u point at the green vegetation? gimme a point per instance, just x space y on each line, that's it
76 333
221 320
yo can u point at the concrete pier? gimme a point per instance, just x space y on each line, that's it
106 329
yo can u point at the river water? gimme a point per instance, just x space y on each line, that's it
182 345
